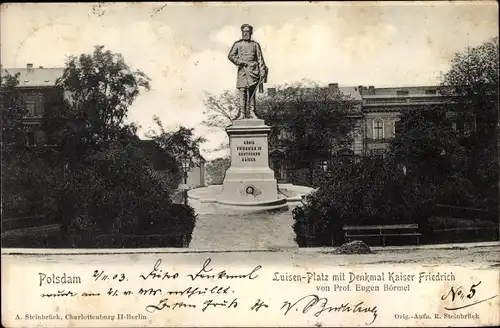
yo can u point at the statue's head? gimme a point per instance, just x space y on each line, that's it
246 31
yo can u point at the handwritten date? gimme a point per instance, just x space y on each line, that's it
101 275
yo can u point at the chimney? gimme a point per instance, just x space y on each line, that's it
29 66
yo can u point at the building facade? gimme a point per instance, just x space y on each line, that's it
36 85
195 176
382 108
378 112
279 137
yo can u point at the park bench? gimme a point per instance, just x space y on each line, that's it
382 231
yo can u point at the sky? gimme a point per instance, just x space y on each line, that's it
183 47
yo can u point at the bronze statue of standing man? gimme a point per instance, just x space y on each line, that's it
252 71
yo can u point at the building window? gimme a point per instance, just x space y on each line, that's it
469 124
403 93
283 135
431 92
378 129
39 107
451 116
34 105
30 107
396 127
30 138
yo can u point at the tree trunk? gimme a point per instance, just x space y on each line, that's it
311 172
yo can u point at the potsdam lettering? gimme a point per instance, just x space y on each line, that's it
63 279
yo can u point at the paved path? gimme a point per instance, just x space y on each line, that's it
232 230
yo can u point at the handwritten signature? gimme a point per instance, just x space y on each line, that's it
457 293
320 305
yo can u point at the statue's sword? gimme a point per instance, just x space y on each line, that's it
259 86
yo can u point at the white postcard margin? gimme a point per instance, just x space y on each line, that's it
242 289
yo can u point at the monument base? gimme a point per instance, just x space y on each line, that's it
249 187
205 200
249 181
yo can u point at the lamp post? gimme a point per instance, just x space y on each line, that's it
185 166
324 165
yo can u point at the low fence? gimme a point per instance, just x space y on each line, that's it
41 231
465 212
438 236
463 235
481 225
32 231
175 240
27 221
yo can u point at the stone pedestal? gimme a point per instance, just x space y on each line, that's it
249 181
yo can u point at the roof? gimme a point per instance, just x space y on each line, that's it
35 77
408 91
353 92
349 91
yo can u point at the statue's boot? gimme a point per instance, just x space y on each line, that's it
251 111
243 103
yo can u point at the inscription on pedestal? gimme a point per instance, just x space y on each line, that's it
249 151
249 180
